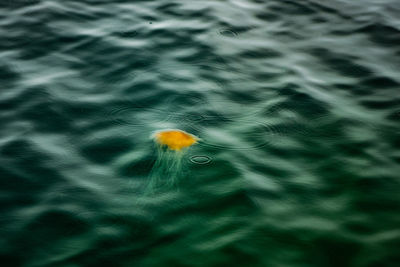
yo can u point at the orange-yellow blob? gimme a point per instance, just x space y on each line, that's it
175 139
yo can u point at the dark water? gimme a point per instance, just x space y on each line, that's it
297 104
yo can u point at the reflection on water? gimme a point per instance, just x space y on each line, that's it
296 105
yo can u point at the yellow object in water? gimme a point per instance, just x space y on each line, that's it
175 139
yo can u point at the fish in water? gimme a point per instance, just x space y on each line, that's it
175 139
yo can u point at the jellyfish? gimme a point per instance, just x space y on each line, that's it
175 139
169 166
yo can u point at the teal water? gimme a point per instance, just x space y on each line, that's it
297 104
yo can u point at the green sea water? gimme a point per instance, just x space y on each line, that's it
297 104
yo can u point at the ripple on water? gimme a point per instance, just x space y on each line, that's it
235 134
228 120
136 116
223 119
227 33
200 159
189 106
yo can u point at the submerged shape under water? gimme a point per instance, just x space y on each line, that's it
169 167
175 139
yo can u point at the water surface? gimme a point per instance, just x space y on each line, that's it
296 103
